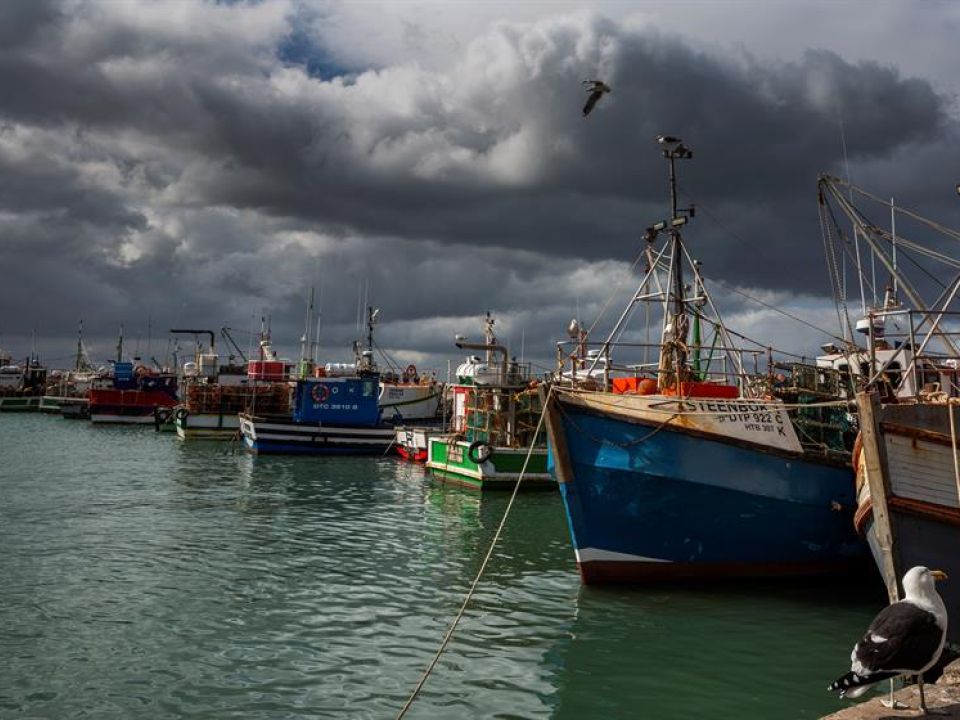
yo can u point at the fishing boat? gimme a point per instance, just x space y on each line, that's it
495 409
21 387
689 467
68 388
333 409
410 396
214 394
906 365
332 415
405 395
131 394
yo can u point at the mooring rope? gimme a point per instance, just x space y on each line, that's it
483 566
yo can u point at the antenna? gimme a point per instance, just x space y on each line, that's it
79 360
893 234
316 341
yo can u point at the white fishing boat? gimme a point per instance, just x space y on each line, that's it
906 365
405 395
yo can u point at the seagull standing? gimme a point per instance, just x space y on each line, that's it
596 88
905 638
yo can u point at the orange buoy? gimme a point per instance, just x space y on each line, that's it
647 386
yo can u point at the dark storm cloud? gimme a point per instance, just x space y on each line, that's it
204 162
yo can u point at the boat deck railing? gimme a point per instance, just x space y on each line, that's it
755 372
926 360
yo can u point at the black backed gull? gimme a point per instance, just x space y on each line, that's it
906 638
596 89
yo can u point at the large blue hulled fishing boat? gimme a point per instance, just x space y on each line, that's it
686 467
658 488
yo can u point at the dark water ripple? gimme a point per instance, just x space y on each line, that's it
144 577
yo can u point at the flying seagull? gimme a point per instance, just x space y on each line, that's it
905 638
596 88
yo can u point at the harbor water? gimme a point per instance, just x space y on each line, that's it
147 577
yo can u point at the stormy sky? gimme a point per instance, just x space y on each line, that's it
203 164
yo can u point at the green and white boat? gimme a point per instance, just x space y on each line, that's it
21 387
495 412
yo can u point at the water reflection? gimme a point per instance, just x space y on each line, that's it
146 577
757 650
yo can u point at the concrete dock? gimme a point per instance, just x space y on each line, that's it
944 696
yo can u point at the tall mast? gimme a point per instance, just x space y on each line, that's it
678 308
120 345
673 150
79 362
305 340
893 235
371 318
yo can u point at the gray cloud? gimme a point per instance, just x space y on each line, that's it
168 159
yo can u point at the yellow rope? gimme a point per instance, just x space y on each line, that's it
483 566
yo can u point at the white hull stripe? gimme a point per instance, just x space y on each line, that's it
260 437
595 554
309 430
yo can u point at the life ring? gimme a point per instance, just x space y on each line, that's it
411 371
181 414
320 392
479 452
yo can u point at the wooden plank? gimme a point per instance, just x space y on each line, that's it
921 470
890 428
561 454
874 456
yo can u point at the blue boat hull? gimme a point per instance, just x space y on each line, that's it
280 435
669 505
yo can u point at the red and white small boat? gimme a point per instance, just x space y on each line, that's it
412 443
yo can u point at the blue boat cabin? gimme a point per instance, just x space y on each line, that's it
344 401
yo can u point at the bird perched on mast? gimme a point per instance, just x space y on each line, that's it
905 638
596 88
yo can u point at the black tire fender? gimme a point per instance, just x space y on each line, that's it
479 452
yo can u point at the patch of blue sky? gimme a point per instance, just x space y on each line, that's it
298 48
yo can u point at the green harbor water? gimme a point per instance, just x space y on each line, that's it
145 577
